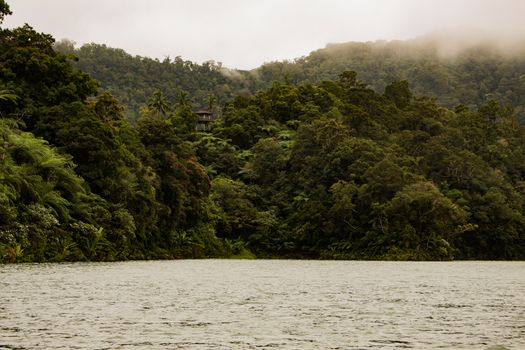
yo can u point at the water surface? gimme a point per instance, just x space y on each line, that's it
262 304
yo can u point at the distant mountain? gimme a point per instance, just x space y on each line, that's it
132 79
452 72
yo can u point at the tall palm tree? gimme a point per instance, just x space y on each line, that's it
212 101
184 100
158 103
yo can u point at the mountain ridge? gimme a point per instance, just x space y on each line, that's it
471 76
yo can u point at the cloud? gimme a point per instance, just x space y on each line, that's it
246 33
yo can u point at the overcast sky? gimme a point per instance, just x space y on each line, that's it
246 33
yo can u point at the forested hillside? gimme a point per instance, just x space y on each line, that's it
454 73
340 171
470 75
78 181
331 170
133 78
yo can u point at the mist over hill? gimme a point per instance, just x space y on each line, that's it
455 70
459 71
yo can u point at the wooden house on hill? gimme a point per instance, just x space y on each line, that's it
206 118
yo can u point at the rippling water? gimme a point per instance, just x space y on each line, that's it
232 304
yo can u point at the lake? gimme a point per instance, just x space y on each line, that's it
263 304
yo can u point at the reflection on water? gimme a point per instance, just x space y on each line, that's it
231 304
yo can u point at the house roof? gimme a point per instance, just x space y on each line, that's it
203 112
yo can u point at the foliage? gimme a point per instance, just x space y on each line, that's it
473 75
133 79
78 181
339 171
335 170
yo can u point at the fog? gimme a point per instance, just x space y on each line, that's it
450 44
246 33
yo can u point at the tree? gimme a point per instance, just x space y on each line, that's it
108 107
421 222
348 80
158 103
184 100
212 101
269 160
399 92
4 10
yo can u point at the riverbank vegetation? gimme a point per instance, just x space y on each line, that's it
333 170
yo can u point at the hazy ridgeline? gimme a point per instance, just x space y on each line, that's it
455 68
307 161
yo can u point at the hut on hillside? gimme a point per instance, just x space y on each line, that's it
206 118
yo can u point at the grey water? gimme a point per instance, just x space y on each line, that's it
263 304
